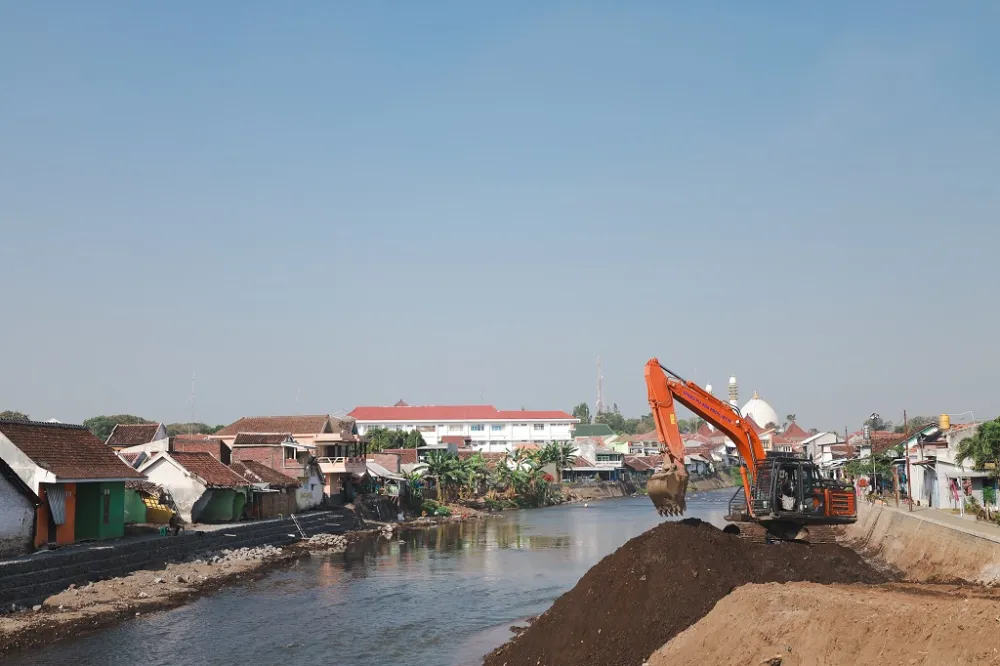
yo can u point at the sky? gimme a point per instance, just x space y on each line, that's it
315 206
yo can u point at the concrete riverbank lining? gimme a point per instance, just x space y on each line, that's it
28 581
924 547
595 491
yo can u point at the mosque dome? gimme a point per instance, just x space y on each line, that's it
760 411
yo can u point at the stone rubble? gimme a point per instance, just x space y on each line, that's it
332 542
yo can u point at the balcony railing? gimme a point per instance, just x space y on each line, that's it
343 465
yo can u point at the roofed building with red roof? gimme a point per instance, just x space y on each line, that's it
203 489
274 492
129 435
79 480
486 427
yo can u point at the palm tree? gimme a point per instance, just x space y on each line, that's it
560 454
445 469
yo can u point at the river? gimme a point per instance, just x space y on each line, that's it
439 597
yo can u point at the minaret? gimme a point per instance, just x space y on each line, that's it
734 392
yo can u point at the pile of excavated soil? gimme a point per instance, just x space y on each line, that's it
804 623
658 584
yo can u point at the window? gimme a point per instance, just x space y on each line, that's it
425 428
477 427
107 506
454 428
539 426
289 453
496 427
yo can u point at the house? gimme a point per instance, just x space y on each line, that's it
334 443
594 462
204 443
18 506
638 469
273 492
330 436
487 428
819 448
282 453
937 478
144 503
149 437
79 481
697 464
645 444
202 488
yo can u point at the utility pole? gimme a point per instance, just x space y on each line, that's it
909 484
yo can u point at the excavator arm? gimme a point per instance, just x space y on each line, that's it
668 485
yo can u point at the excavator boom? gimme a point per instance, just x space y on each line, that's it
668 485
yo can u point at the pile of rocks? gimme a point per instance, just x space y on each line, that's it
333 542
229 556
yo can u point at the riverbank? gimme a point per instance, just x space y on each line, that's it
84 609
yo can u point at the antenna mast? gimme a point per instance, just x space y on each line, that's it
600 388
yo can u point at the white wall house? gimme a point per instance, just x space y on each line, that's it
488 428
17 513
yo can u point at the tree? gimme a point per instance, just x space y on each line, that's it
174 429
916 423
789 418
378 439
982 448
101 426
560 454
880 424
413 440
582 412
11 415
446 469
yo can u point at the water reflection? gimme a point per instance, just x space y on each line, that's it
438 596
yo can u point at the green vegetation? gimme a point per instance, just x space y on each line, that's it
983 448
380 439
13 415
582 412
517 480
196 428
620 425
102 426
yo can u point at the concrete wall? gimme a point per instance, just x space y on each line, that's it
922 550
17 518
184 488
310 494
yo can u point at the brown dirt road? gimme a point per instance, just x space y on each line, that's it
796 624
636 599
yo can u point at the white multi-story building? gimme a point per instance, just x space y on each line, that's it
484 426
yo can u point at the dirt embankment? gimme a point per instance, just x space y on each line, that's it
803 623
658 584
594 491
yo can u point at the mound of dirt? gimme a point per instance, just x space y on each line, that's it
658 584
804 623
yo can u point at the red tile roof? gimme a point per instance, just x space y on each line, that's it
638 464
68 451
453 413
406 456
794 432
458 440
260 439
260 473
297 425
132 434
753 424
704 430
211 471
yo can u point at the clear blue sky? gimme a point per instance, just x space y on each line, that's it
354 203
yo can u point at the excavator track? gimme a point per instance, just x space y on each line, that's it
757 533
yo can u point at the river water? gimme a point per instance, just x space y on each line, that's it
443 596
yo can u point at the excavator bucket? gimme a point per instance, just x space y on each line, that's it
667 488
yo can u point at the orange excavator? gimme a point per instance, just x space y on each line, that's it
783 494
